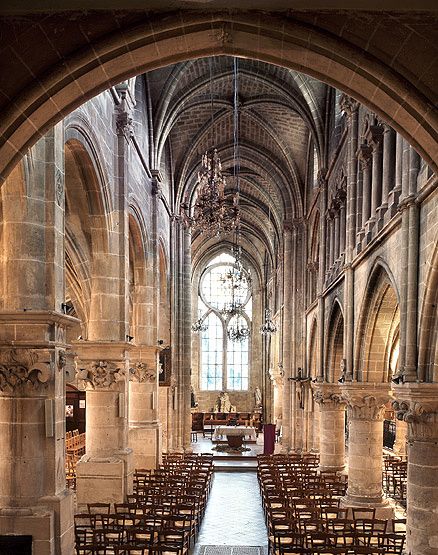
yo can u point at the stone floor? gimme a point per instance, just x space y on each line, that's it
234 516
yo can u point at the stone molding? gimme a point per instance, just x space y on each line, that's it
367 401
22 370
328 396
141 373
417 405
99 375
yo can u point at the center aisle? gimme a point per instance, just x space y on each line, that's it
234 514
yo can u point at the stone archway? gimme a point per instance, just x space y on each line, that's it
121 49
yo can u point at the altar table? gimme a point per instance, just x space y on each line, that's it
243 431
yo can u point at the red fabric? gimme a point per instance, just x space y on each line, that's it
268 439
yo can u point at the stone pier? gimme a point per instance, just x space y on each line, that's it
417 405
331 426
366 406
104 473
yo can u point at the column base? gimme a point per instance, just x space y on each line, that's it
329 468
104 480
369 230
145 442
385 508
381 211
50 524
393 198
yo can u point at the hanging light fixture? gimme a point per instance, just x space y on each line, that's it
238 331
268 327
199 326
213 214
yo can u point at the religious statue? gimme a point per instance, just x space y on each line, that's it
223 403
301 385
258 398
193 401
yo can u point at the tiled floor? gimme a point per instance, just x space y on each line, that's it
234 515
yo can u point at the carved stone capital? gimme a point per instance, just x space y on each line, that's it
417 405
141 373
99 375
366 401
348 105
23 371
328 396
124 124
364 155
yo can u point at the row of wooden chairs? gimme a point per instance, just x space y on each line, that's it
303 512
163 515
75 444
394 478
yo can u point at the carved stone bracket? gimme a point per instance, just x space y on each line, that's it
366 402
22 370
328 396
99 375
417 405
141 373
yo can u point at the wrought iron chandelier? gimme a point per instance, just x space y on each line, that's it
213 214
237 282
268 327
199 326
239 331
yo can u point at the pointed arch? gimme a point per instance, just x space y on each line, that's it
428 340
378 332
335 343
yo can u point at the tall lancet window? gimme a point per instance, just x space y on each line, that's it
224 361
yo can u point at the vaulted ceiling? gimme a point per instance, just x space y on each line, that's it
281 114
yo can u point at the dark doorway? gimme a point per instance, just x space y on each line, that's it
15 545
74 410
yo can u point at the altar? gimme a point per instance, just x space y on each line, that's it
235 434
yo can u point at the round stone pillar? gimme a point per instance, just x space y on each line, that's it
145 433
331 426
104 473
401 432
417 405
366 407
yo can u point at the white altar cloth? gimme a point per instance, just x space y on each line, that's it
223 431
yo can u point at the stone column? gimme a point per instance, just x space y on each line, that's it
337 238
376 143
366 407
144 426
401 433
388 168
104 473
34 356
365 156
351 108
186 359
287 339
342 228
417 405
331 426
394 194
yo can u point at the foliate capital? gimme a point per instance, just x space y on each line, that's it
99 375
23 371
367 402
141 373
417 405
